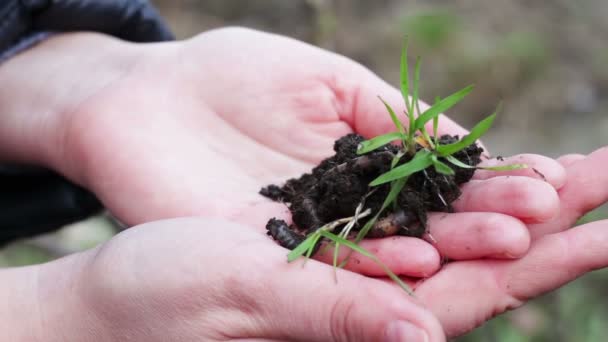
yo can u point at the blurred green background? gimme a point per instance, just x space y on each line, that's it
546 60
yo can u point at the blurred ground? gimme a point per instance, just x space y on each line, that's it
546 60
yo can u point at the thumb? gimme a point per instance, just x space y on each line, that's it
353 309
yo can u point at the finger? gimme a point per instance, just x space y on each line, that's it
586 188
539 167
353 309
498 286
462 236
569 159
528 199
403 255
559 258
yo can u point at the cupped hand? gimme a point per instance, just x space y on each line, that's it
198 127
193 279
464 294
213 280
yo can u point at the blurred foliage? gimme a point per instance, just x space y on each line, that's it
70 239
432 28
22 254
546 60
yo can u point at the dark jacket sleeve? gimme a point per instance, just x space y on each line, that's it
33 201
132 20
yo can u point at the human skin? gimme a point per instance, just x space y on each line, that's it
464 294
213 280
200 280
196 128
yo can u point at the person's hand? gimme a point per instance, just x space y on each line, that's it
209 279
205 280
198 127
465 294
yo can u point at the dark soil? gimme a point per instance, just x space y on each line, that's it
338 184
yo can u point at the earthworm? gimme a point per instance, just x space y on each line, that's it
364 162
305 216
287 237
283 234
391 224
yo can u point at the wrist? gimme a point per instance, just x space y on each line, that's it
64 314
42 303
19 314
44 85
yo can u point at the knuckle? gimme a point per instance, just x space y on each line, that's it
340 319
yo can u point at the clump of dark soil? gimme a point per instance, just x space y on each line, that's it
335 188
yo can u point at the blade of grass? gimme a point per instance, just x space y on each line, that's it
391 112
302 248
505 167
458 163
421 161
396 158
480 129
314 242
414 104
405 87
374 258
442 106
379 141
335 261
396 188
441 167
510 167
427 138
436 124
361 234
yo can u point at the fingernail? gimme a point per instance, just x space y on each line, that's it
398 331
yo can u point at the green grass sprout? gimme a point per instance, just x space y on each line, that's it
309 244
366 253
379 141
419 150
436 124
421 161
480 129
442 167
442 106
405 80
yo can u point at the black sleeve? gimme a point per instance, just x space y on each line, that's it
132 20
35 201
32 200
